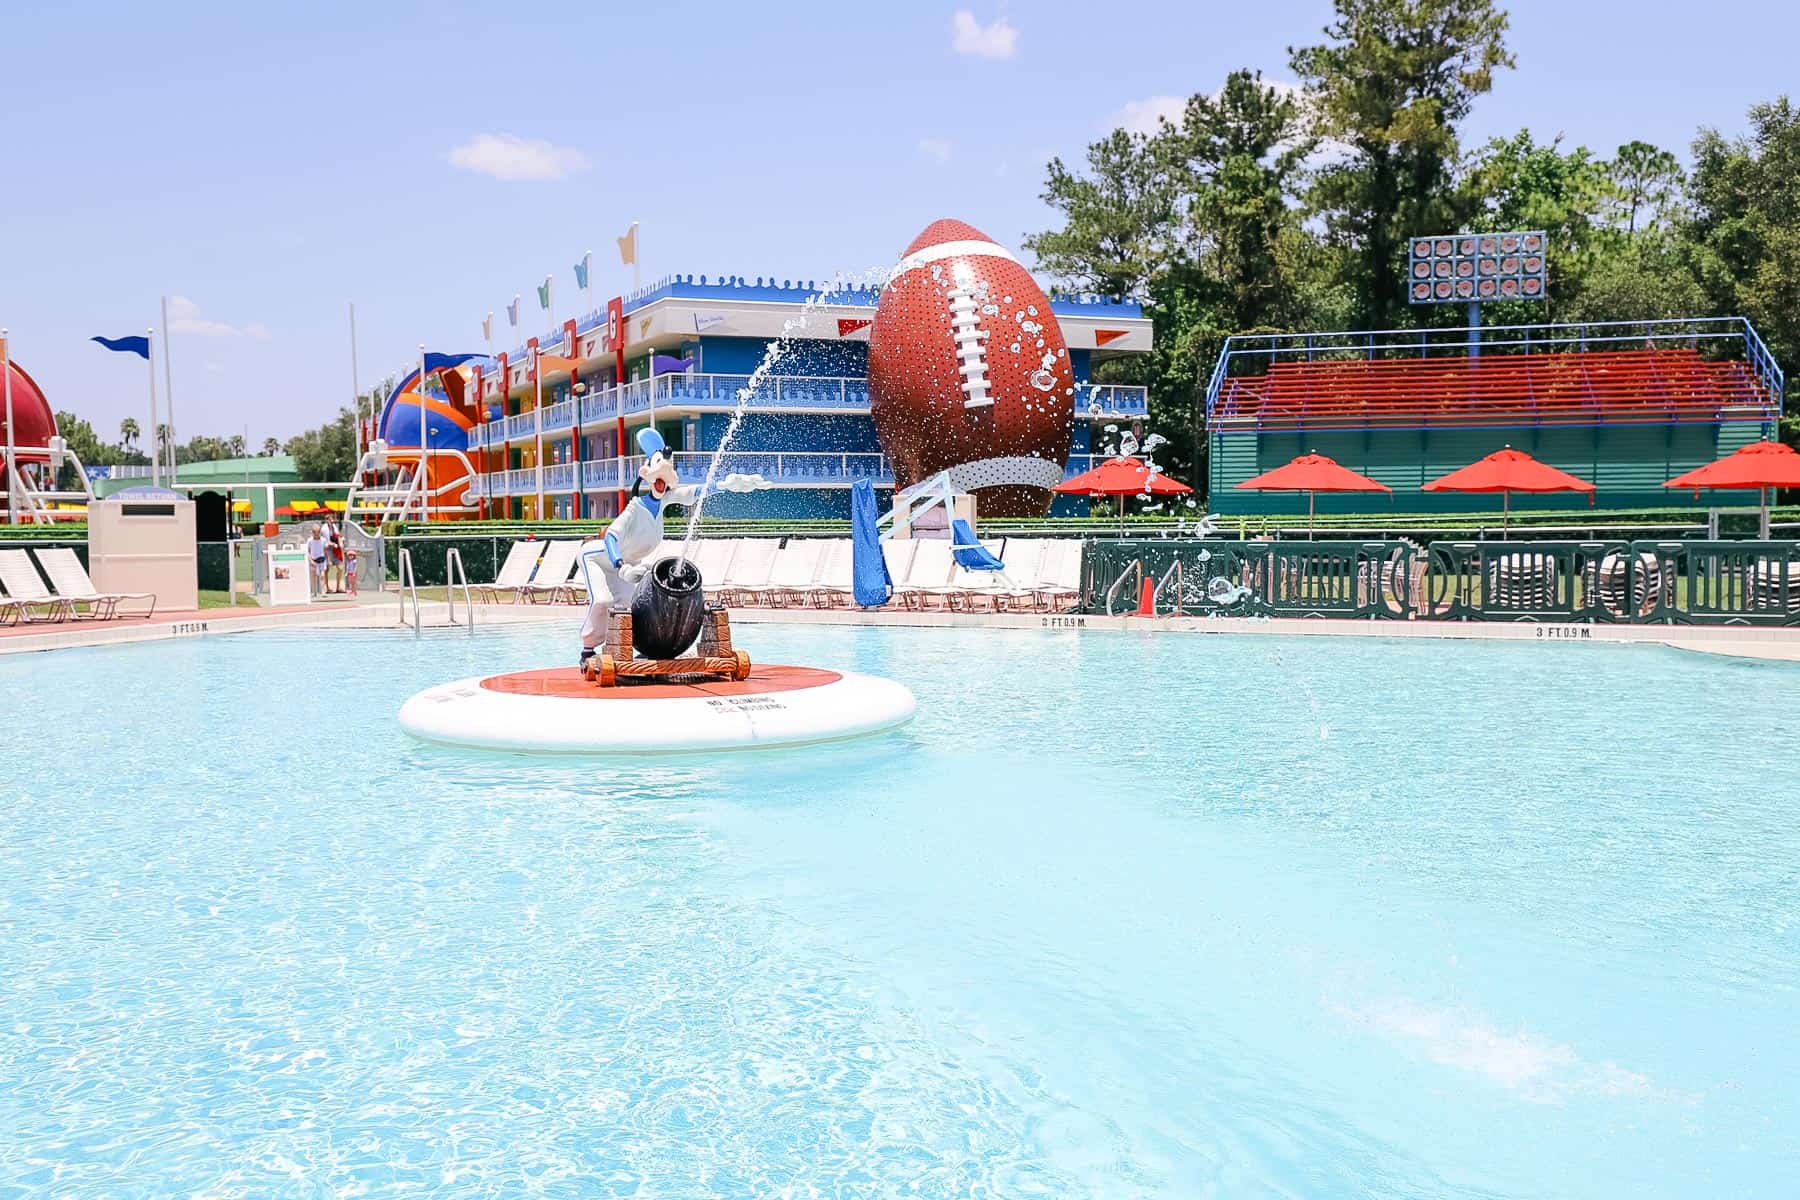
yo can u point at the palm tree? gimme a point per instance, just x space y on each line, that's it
271 447
234 446
128 432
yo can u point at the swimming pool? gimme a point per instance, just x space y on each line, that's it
1116 915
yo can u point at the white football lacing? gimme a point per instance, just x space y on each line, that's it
965 328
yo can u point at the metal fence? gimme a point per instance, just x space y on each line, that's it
1642 582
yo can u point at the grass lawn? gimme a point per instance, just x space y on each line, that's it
222 599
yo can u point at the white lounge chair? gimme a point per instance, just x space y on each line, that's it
1018 579
1061 576
836 583
69 580
552 581
514 572
793 573
968 588
928 578
27 591
713 558
749 575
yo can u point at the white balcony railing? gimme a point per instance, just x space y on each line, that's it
696 392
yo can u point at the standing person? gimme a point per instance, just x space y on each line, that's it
333 551
350 571
315 559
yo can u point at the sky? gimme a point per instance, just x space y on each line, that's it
266 165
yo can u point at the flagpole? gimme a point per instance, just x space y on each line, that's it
155 451
168 388
537 403
12 454
637 257
424 477
356 387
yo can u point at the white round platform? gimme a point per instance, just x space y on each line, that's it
558 712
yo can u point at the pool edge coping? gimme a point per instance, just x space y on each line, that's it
1777 644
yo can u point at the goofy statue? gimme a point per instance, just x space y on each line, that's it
613 564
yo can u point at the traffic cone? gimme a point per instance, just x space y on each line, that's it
1147 600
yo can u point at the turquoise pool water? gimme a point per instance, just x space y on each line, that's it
1116 916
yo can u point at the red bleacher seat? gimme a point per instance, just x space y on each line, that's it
1603 387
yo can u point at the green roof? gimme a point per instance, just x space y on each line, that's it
275 468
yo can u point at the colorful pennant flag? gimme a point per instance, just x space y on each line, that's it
512 312
544 294
581 271
628 246
487 328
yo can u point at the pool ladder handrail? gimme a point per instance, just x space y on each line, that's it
1137 567
408 584
455 575
1179 576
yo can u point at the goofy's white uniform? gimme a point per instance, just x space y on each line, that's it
613 568
609 566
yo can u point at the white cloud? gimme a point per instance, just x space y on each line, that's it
936 149
509 158
185 317
1146 116
971 37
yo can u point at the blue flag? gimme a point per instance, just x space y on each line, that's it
581 274
139 346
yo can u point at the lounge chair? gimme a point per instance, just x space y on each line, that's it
748 577
27 591
551 581
1017 583
899 557
793 573
69 580
836 582
713 558
928 578
1060 589
967 587
514 572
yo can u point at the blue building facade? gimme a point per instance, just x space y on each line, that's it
562 409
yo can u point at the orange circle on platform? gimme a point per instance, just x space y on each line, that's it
566 683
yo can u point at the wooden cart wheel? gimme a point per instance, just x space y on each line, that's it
743 665
606 673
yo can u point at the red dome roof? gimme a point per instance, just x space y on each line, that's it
34 423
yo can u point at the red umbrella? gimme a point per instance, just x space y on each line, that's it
286 510
1122 477
1507 471
1760 465
1313 473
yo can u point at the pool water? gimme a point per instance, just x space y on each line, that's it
1117 915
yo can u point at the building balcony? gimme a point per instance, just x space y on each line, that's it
1103 401
697 393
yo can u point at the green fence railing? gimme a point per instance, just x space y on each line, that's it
1694 582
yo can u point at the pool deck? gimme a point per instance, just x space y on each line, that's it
382 611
